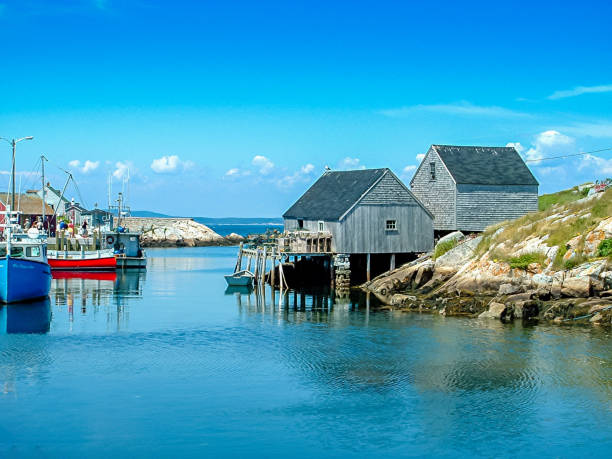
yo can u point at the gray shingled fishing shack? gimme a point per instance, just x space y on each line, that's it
469 188
364 212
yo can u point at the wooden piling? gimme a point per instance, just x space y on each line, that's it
272 273
264 261
392 263
368 267
239 261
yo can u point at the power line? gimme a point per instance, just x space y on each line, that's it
567 156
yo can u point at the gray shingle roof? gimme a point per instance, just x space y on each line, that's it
333 194
485 165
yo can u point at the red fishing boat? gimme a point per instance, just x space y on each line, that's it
95 260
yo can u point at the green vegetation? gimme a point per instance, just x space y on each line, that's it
523 261
444 247
546 201
605 248
560 219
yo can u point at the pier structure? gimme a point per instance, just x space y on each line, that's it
347 227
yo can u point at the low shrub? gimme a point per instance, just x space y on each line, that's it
605 248
524 260
443 247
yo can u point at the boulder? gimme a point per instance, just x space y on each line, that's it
520 297
576 287
508 289
526 309
457 257
454 236
424 274
495 311
606 277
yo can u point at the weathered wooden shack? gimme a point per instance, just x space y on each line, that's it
469 188
359 214
366 211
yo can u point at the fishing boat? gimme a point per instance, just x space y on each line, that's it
126 247
92 260
242 278
25 273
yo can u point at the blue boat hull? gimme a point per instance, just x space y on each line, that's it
23 280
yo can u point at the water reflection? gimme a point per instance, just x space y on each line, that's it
31 317
89 292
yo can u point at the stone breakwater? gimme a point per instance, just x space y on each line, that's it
466 281
177 232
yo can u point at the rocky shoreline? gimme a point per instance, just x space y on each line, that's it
177 232
474 278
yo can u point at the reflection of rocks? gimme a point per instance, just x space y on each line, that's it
177 232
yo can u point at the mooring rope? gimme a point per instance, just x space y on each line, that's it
588 315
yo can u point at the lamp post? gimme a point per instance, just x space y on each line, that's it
14 143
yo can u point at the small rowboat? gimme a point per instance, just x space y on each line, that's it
240 278
97 260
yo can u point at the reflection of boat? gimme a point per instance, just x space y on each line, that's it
31 317
95 275
24 271
240 289
99 260
240 278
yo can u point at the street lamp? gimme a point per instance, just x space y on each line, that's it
14 143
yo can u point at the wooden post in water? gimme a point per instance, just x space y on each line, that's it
368 267
272 273
264 262
256 266
239 261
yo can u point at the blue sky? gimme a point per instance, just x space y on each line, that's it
234 108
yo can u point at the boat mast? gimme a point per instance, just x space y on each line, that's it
42 161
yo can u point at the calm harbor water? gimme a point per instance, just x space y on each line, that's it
167 361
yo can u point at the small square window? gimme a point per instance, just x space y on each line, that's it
391 225
432 168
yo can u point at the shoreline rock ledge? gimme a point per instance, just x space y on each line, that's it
177 232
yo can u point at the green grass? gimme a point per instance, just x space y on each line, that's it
546 201
523 261
605 248
444 247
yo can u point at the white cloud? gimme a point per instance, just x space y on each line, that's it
349 163
517 146
121 170
602 166
420 157
170 164
580 90
548 143
304 174
408 171
264 164
462 108
236 173
88 166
